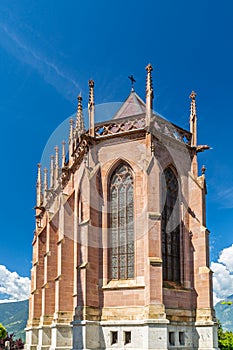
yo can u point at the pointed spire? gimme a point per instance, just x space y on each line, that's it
193 130
45 184
71 138
52 172
91 109
63 154
79 128
56 165
193 119
38 186
149 94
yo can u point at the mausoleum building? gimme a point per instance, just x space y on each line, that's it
121 247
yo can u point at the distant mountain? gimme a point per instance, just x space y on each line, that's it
13 316
224 313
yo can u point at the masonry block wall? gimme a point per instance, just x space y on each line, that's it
120 251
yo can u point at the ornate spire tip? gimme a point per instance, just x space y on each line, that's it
149 68
193 95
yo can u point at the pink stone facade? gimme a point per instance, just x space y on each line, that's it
74 303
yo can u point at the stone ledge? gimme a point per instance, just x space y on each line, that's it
154 215
133 322
205 323
123 284
84 265
155 261
87 313
84 222
84 323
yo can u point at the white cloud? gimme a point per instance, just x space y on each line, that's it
223 274
226 258
12 286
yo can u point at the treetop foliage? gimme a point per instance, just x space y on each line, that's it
225 339
3 331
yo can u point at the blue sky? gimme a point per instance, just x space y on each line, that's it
49 50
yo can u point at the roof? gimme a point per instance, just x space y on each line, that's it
133 105
132 116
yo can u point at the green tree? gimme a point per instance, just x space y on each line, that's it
3 331
225 339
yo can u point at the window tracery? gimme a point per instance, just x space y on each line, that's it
121 242
170 227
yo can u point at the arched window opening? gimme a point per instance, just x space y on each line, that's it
121 237
170 226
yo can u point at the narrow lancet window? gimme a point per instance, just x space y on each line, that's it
121 238
171 227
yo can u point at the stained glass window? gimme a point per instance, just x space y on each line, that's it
121 238
171 227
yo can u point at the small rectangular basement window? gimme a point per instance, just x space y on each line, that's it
127 337
171 338
114 337
181 338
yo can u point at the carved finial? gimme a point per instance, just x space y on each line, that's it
79 128
71 129
38 186
91 93
149 94
203 170
56 167
91 83
91 109
52 172
71 137
149 68
63 154
149 84
193 119
45 184
193 103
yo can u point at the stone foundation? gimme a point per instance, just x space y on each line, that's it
148 334
143 335
61 337
31 338
44 338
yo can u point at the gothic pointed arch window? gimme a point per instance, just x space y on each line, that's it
170 227
121 222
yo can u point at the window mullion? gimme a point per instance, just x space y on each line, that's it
118 233
126 232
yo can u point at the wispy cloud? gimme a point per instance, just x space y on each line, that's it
15 43
12 286
221 189
226 197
